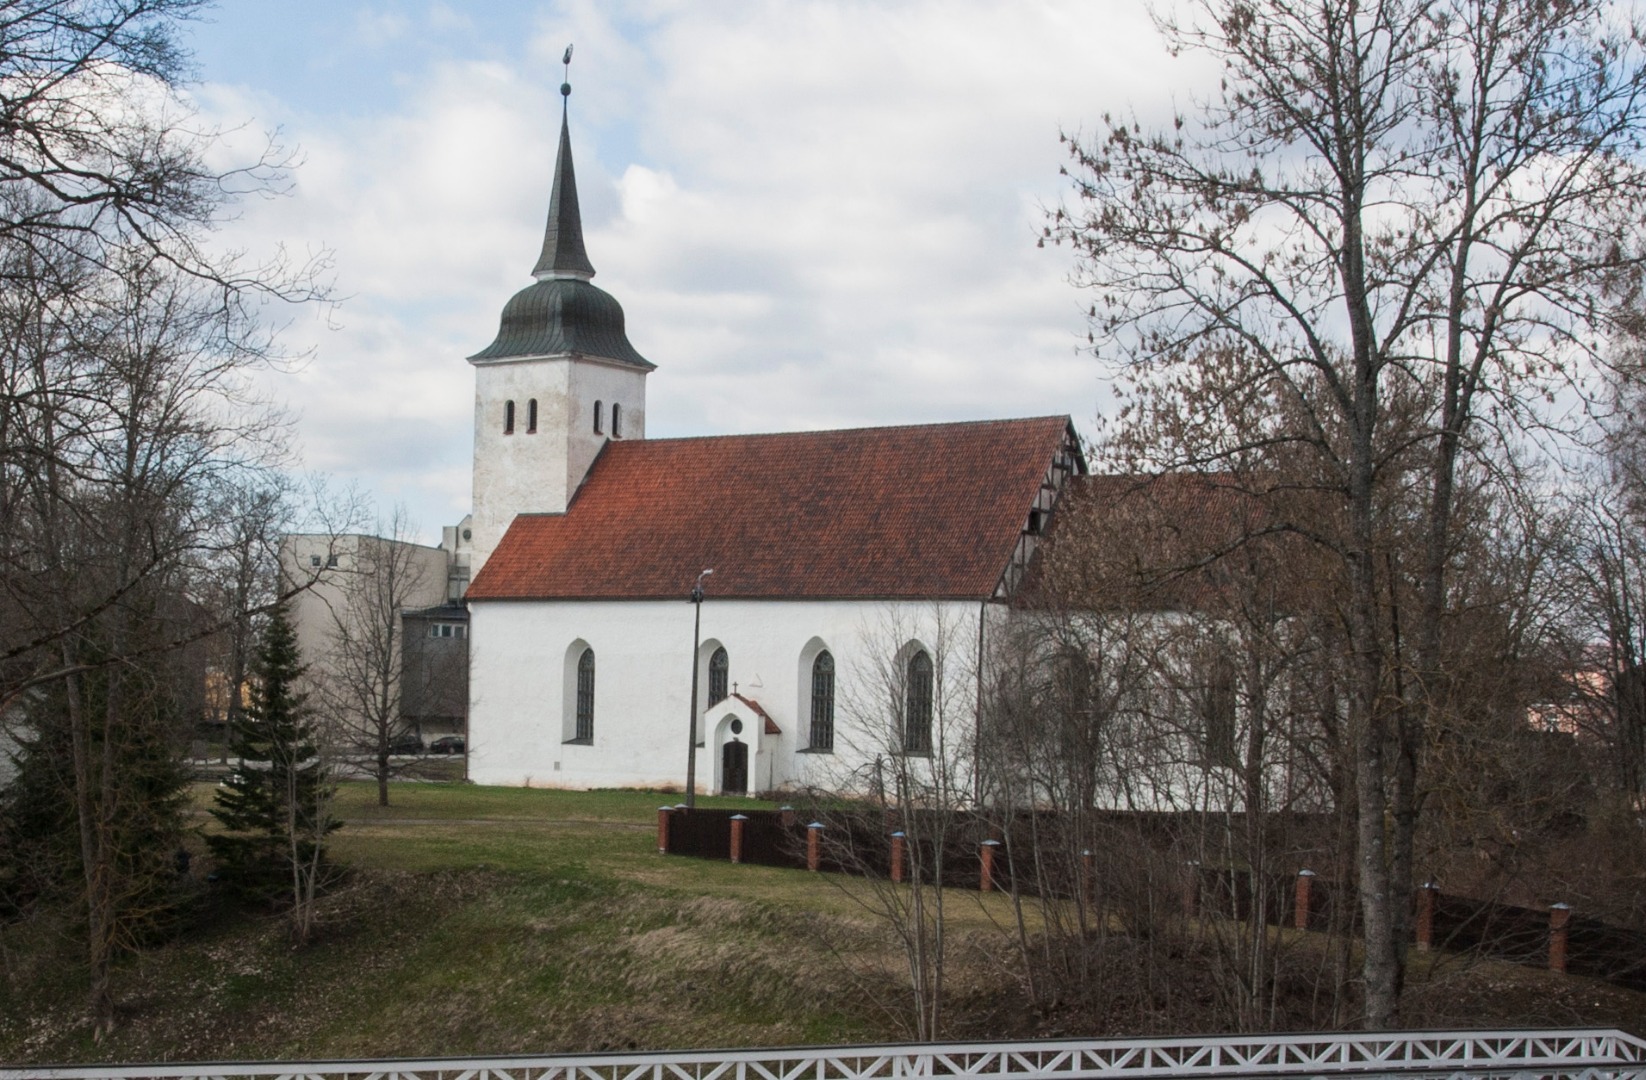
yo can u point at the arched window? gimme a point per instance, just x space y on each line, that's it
585 696
617 420
508 418
531 417
1217 706
917 705
598 407
822 735
719 670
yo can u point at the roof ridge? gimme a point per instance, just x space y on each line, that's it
931 425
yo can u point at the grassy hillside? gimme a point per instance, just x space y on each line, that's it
473 920
485 920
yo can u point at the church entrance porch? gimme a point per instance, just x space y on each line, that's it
742 744
734 768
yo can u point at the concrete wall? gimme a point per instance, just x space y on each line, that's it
523 658
331 566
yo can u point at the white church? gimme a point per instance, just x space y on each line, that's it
856 574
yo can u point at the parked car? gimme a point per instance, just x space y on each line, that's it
448 744
405 743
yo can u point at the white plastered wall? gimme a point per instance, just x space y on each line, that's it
643 664
538 472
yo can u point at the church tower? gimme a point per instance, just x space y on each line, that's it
560 380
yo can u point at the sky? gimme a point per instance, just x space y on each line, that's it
815 213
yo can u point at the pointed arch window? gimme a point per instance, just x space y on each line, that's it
585 696
822 733
1217 706
617 420
508 418
917 705
719 671
531 417
598 408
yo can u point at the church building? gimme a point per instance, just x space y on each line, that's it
849 579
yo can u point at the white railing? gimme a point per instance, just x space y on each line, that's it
1461 1054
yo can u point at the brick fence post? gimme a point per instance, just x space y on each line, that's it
985 881
1559 916
1426 894
814 845
737 836
663 813
1303 902
786 815
897 857
1088 877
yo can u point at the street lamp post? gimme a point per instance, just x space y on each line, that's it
691 730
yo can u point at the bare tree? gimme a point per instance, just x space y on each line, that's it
910 738
1607 565
360 676
124 411
1393 232
241 584
128 425
99 157
1145 731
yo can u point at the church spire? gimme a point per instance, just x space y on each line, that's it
563 255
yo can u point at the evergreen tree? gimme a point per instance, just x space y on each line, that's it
274 805
41 858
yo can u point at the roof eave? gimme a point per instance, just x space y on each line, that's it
480 359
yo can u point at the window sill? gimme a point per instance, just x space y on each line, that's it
578 742
815 750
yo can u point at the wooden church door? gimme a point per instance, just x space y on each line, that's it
734 768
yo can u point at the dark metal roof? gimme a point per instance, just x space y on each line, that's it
563 238
450 611
563 315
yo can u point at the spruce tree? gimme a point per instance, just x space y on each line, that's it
273 805
41 857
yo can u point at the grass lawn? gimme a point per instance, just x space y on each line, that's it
474 920
480 920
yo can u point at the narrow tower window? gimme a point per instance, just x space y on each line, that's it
597 409
719 670
822 734
617 420
917 706
531 417
585 696
508 418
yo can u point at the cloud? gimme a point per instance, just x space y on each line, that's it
376 28
814 214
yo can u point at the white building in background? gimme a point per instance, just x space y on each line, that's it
364 594
853 570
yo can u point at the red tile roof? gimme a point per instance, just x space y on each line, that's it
1172 541
931 511
771 725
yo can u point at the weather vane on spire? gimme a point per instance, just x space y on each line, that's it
566 87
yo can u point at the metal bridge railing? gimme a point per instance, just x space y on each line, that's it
1465 1055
